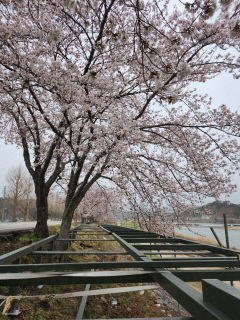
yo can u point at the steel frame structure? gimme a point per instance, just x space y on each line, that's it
218 300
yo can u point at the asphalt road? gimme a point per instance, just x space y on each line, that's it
6 227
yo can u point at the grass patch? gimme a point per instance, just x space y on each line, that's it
129 305
29 237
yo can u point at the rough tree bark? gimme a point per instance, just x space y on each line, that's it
66 224
41 229
74 197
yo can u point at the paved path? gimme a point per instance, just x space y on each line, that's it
6 227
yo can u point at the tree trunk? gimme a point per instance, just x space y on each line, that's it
65 228
41 229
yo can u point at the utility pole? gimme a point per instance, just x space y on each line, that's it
4 209
26 218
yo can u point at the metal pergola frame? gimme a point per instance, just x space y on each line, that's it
218 300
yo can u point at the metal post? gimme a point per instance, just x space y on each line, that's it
70 241
226 235
39 256
74 234
50 248
216 237
83 303
4 209
13 311
226 230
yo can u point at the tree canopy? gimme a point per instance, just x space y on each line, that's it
101 89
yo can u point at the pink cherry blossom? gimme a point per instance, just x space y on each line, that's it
99 90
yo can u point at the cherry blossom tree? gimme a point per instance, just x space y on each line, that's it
107 83
22 125
101 203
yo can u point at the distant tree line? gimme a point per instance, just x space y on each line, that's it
19 202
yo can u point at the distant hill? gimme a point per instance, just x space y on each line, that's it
217 209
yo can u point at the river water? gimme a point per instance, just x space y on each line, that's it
203 230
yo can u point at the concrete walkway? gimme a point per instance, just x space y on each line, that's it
6 227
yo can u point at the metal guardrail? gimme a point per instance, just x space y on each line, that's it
207 306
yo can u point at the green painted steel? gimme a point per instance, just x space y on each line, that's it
71 239
82 304
174 318
186 275
116 265
92 234
186 295
70 278
63 278
192 246
183 253
181 247
197 259
200 306
197 275
16 254
150 240
81 253
222 296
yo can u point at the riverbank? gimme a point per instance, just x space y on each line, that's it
203 233
216 226
204 240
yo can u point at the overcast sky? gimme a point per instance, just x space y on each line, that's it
223 89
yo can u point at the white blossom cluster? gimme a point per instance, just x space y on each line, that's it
95 92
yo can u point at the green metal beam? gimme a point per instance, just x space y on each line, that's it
150 240
171 281
85 239
186 295
166 263
186 275
183 253
171 247
174 318
92 234
18 253
197 275
81 252
81 309
222 296
60 278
